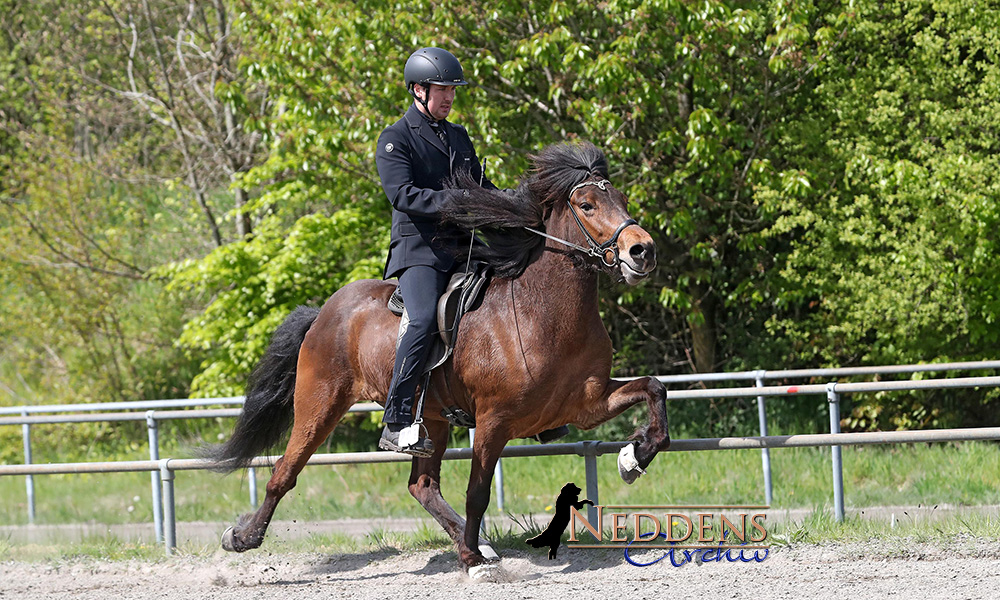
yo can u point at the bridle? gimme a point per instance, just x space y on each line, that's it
596 250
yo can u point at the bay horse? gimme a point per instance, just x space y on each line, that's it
534 356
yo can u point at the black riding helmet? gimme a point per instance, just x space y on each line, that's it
433 65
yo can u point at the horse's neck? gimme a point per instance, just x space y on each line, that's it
557 280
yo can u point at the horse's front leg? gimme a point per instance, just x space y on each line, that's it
486 449
425 484
619 396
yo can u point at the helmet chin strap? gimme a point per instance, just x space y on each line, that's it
423 101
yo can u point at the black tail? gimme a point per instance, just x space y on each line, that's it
267 412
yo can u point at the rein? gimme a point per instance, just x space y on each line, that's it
596 250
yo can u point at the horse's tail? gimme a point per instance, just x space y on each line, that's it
267 411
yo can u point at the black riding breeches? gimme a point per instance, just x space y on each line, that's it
421 287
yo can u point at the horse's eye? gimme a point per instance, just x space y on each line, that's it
586 206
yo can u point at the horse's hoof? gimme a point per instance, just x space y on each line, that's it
488 553
490 572
628 465
227 540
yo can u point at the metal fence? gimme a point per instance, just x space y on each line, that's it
152 417
760 378
163 487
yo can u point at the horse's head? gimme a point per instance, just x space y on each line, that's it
568 200
587 212
600 213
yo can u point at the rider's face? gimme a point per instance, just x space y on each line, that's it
439 100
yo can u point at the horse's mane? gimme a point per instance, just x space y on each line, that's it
499 217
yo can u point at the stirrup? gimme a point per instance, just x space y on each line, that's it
407 441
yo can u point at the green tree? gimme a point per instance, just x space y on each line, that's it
90 202
891 250
687 100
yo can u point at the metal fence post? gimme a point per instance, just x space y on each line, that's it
29 481
499 484
252 481
765 453
169 516
154 476
589 451
838 471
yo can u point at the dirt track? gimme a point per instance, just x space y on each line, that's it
964 570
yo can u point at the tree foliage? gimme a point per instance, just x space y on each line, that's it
891 255
682 97
91 204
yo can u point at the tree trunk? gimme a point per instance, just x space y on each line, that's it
703 330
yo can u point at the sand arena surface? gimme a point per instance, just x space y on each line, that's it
964 569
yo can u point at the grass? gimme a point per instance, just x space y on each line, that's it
821 528
104 548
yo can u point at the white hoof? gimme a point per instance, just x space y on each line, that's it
628 465
487 572
227 540
488 552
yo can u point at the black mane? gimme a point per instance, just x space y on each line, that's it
558 168
499 217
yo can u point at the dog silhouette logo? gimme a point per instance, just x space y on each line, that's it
569 496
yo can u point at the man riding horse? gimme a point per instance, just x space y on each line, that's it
533 357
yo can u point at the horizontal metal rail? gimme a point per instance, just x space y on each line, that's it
584 448
137 405
691 378
831 372
843 388
716 393
158 415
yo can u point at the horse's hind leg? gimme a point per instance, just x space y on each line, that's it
425 483
319 405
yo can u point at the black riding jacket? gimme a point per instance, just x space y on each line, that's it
413 163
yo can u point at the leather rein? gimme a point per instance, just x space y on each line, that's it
596 250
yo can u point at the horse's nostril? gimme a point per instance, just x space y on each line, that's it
637 251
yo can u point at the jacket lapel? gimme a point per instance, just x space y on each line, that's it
415 119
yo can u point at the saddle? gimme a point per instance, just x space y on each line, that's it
463 294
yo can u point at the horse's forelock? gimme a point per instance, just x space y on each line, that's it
558 168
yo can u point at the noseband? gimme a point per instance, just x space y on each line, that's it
596 250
